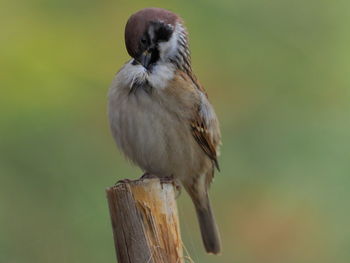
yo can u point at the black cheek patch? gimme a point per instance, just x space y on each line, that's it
162 31
155 56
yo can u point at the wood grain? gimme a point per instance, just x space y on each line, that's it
145 221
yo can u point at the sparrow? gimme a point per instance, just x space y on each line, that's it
160 115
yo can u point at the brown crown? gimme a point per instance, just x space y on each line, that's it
139 22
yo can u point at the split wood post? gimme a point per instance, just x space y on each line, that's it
145 221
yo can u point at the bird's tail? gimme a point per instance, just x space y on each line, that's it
207 224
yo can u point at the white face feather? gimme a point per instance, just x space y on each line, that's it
158 78
163 71
169 49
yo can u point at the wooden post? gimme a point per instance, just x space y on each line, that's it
145 221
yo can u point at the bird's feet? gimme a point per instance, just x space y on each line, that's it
122 181
148 176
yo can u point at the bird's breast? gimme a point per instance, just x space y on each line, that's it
150 134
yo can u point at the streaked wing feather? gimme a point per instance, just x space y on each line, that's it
198 124
201 134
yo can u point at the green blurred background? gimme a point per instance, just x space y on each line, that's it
278 74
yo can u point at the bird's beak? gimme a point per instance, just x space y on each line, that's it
145 58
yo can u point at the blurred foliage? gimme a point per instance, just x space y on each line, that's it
277 73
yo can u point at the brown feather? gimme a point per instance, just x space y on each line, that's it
201 135
198 126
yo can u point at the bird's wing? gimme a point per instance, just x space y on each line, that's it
205 129
205 125
194 106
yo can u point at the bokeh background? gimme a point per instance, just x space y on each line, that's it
278 74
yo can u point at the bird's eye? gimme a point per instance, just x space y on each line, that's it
143 41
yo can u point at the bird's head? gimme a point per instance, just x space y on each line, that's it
155 35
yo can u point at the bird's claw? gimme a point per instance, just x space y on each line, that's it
148 176
122 181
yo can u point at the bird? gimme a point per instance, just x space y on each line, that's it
160 115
